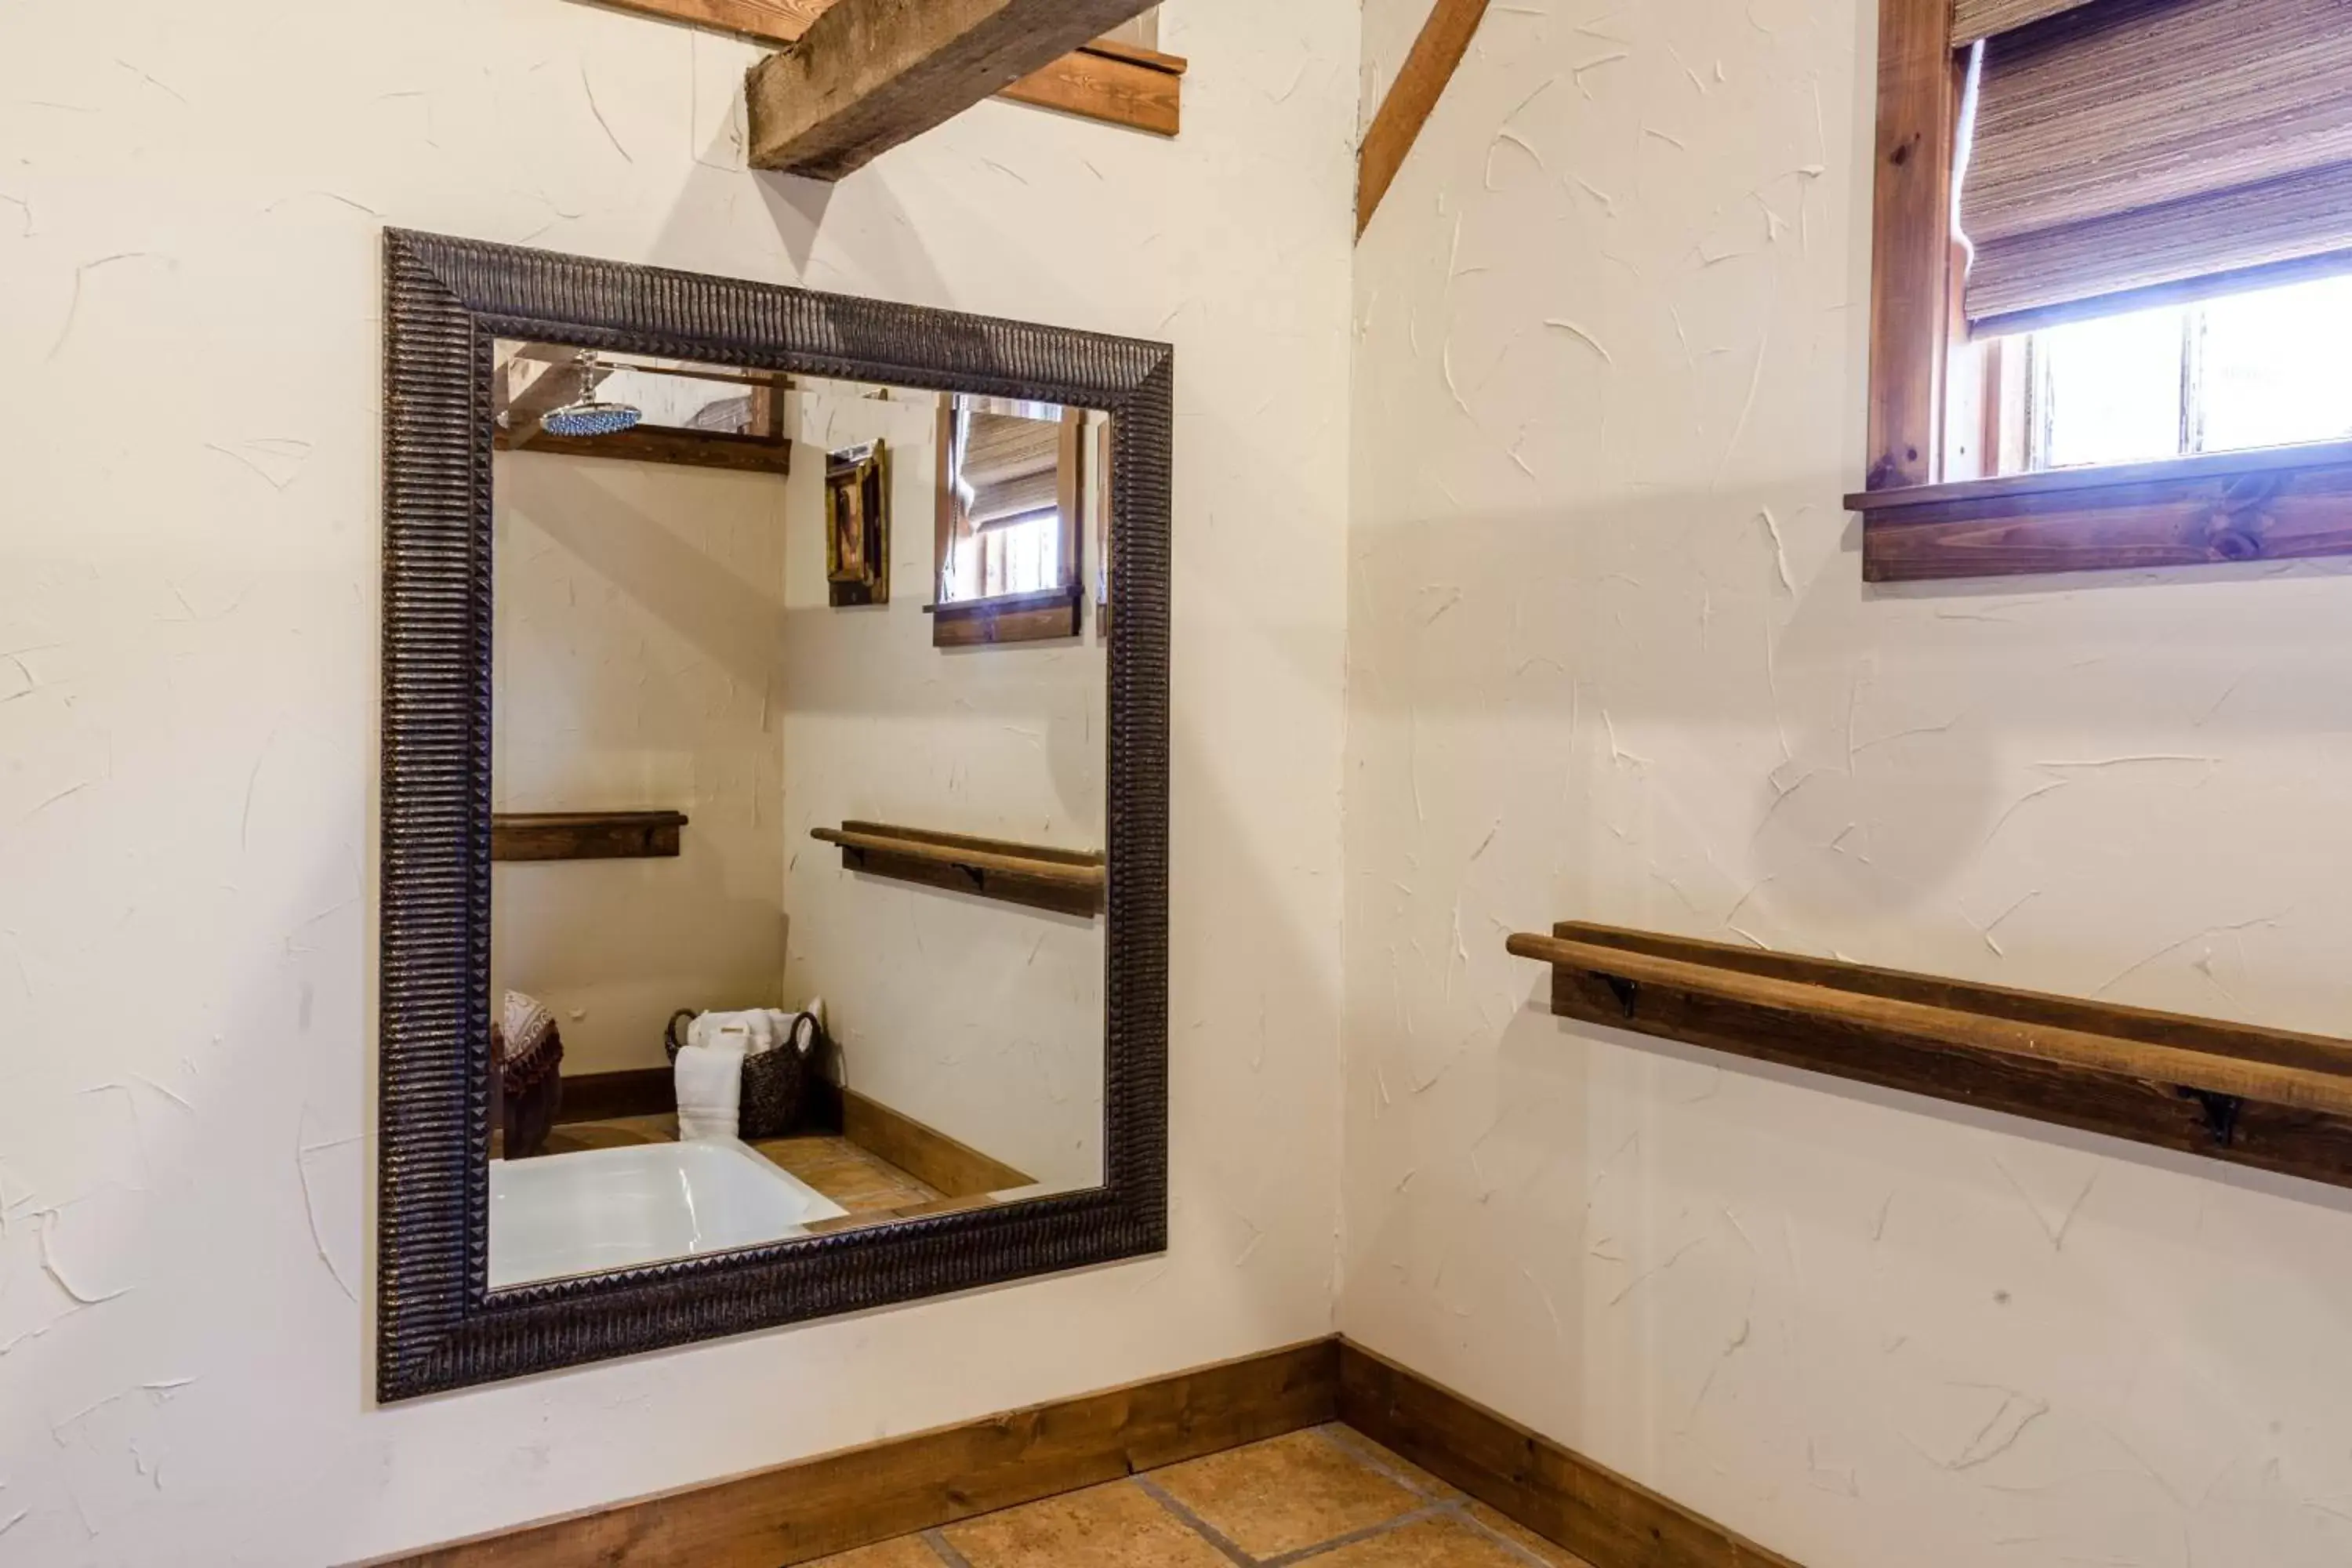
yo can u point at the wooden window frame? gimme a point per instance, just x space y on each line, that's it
1931 507
1047 614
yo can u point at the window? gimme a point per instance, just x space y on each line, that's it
2269 368
2112 285
1010 510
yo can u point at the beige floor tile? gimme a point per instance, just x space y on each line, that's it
1447 1541
1389 1460
1527 1540
1114 1526
1286 1494
907 1552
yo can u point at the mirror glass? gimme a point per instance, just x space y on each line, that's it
799 891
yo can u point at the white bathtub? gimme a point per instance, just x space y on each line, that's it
601 1209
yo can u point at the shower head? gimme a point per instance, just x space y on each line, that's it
590 415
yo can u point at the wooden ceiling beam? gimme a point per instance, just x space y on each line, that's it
870 74
1105 80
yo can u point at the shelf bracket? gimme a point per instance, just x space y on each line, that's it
2220 1112
1627 991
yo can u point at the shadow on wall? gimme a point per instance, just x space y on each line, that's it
1702 684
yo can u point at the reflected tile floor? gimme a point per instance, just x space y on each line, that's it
859 1181
1328 1497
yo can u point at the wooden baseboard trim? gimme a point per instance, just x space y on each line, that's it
1600 1515
798 1513
604 1096
952 1169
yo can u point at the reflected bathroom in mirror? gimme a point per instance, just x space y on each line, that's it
774 888
797 907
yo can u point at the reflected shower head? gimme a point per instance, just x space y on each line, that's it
590 415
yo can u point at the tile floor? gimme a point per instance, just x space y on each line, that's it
1328 1497
858 1180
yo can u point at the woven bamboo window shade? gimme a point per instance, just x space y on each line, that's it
2125 145
1013 467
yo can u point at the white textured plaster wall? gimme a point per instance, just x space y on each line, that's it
192 197
638 656
980 1018
1610 658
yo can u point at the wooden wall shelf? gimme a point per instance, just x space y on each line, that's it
585 835
1069 881
2265 1097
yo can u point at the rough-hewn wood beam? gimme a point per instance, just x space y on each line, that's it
873 73
1116 83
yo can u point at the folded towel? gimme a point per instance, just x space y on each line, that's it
758 1029
710 1082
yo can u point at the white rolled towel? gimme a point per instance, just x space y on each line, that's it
709 1081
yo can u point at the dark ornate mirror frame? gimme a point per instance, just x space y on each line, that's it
439 1325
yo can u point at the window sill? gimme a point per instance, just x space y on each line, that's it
1008 617
2276 503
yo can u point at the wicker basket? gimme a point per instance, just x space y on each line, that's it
775 1083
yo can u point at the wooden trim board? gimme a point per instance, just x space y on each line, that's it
659 443
1911 249
800 1512
609 1096
1600 1515
1142 89
954 1169
858 1497
1116 84
1444 40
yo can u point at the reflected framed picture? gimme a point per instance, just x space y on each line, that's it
857 525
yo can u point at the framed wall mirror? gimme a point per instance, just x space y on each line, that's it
754 949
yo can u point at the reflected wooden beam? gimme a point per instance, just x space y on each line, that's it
870 74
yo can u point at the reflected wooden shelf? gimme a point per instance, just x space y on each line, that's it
1069 881
2266 1098
585 835
654 443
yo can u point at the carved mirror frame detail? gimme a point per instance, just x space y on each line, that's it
447 301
